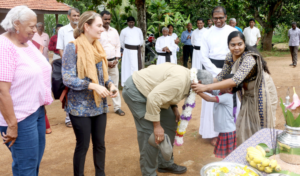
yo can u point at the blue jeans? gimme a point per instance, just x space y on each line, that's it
28 150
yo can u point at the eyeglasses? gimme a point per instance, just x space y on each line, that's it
220 18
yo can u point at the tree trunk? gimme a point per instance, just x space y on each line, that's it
141 12
267 40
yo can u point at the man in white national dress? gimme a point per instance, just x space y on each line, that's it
165 47
197 37
176 41
131 41
214 49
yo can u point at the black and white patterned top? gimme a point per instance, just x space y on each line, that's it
246 72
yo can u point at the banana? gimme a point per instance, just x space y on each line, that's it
273 163
277 168
268 169
247 158
252 155
252 149
265 162
263 152
255 152
253 164
258 159
260 167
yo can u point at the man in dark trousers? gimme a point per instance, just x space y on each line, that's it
188 47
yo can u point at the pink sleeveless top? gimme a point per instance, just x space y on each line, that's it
30 76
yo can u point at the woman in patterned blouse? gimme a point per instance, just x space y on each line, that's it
259 95
84 70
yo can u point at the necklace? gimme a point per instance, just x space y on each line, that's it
187 108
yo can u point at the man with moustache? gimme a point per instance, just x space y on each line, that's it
197 37
110 42
42 38
65 35
214 49
131 39
209 23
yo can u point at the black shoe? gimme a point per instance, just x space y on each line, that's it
174 169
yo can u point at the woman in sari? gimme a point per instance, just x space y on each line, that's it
259 95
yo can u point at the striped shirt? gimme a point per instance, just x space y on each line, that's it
30 76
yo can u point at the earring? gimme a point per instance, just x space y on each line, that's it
17 32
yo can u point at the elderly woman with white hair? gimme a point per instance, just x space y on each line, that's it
164 46
25 89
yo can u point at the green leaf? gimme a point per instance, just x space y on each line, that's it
290 119
266 148
297 122
288 173
283 109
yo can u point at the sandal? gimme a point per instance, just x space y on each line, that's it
48 131
69 125
120 112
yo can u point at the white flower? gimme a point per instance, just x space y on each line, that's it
179 140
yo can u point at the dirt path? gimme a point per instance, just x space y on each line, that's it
122 156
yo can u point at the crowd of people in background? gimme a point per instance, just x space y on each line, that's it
89 50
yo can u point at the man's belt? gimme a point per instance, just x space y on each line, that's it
197 47
111 59
167 55
217 63
139 53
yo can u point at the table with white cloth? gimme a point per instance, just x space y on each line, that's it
265 135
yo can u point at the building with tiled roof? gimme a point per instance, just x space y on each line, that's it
40 7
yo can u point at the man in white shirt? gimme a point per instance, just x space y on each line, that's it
209 23
164 46
252 34
294 36
42 38
214 49
132 40
65 35
110 42
197 37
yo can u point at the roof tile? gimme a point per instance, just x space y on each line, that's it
49 5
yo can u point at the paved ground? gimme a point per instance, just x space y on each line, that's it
122 157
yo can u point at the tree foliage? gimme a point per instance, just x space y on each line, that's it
268 13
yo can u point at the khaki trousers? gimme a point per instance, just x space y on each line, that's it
114 76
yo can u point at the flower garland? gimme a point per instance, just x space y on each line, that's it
187 108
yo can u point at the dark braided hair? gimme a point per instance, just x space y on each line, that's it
248 48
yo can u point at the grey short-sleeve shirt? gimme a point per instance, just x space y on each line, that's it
294 37
223 113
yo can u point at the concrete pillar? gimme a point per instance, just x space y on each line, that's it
56 18
2 16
